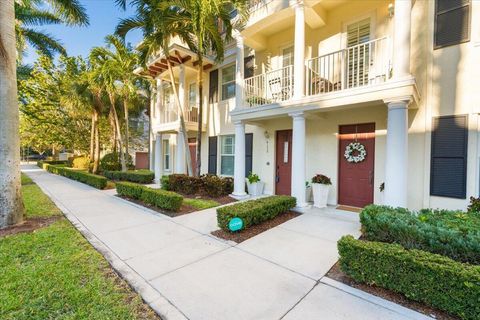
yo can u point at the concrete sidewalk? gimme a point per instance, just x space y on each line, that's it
185 273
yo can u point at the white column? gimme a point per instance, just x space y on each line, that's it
180 162
158 158
239 169
299 54
396 160
151 155
239 72
298 158
158 103
181 87
401 38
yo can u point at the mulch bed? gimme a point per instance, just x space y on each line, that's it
29 225
256 229
337 274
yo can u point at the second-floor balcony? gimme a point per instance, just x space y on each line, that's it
169 113
362 65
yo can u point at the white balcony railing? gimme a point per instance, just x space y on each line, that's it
361 65
169 113
273 86
364 64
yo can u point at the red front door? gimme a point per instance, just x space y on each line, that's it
355 181
192 145
283 172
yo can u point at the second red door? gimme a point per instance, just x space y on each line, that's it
283 169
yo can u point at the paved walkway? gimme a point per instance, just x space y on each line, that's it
185 273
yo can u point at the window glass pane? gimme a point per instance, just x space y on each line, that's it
228 145
192 95
166 155
227 165
228 74
287 57
228 90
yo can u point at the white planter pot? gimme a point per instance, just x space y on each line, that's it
320 194
256 188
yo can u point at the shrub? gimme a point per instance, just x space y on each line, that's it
156 197
111 162
164 182
422 276
138 176
44 163
215 186
79 162
209 185
451 233
253 212
474 205
93 180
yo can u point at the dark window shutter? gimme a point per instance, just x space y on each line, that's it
249 65
452 22
212 155
448 168
213 87
248 153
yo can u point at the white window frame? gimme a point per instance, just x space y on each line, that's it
166 152
222 138
370 15
228 82
195 105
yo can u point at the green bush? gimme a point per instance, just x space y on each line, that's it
111 162
164 182
209 185
93 180
162 199
474 205
44 163
253 212
79 162
138 176
454 234
429 278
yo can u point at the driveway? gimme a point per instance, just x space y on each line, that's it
184 272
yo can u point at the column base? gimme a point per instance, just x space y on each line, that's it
302 207
240 196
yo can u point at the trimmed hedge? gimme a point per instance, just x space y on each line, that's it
454 234
430 278
138 176
44 163
207 184
253 212
156 197
93 180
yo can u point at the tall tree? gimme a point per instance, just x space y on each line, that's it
11 205
211 23
159 24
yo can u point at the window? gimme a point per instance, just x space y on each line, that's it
448 163
452 22
287 56
227 155
166 155
192 95
358 55
228 82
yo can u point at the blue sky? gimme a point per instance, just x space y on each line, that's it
104 17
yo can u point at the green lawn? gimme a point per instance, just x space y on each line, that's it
54 273
200 204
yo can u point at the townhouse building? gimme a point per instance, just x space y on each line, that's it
379 95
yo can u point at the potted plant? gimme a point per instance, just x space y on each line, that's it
308 191
320 187
254 185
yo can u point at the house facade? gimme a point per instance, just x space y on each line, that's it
372 94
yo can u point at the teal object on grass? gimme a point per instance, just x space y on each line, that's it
235 224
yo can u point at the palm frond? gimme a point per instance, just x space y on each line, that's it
31 16
43 42
71 11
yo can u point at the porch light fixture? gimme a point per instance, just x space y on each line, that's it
391 10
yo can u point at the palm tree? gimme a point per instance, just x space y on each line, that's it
123 61
210 22
33 13
11 205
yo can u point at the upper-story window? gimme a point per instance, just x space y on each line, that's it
358 32
358 57
287 56
228 82
192 95
452 22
